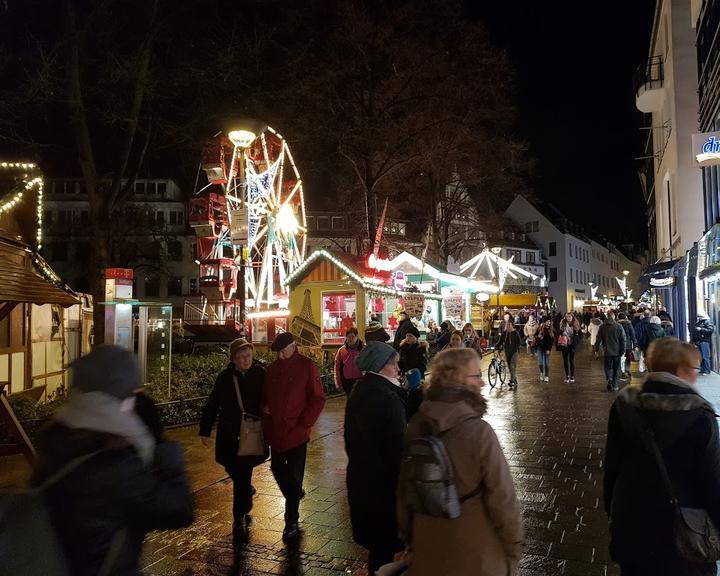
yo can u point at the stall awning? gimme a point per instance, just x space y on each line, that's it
658 269
18 283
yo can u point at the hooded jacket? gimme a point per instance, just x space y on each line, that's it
401 331
703 331
486 540
414 356
346 368
531 328
635 498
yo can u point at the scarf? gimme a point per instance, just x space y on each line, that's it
102 412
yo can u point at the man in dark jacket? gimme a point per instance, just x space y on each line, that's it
223 400
630 343
686 432
612 338
641 331
403 327
702 338
130 483
443 339
293 400
375 423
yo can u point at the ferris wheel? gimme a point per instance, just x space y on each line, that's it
260 223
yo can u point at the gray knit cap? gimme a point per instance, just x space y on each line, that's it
374 356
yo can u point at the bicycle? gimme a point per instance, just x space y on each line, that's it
497 369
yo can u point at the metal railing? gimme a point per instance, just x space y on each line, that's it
651 73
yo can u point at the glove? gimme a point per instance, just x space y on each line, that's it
413 378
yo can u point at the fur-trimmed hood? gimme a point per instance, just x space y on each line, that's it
446 406
683 397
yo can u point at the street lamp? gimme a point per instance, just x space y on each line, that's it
241 132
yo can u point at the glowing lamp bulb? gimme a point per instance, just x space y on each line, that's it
241 138
286 221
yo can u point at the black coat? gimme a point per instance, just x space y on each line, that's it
635 497
222 405
413 356
375 423
110 492
509 342
400 333
703 331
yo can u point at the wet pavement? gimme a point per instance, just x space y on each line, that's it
553 435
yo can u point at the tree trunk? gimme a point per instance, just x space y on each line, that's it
99 260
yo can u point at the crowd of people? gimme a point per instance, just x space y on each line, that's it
111 476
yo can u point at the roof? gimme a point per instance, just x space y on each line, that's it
22 283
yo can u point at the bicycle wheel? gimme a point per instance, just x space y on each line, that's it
502 371
492 373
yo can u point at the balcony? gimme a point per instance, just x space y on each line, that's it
648 85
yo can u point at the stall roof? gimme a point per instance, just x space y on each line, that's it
19 283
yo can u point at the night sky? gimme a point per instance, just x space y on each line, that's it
577 110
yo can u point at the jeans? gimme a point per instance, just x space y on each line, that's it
705 363
288 468
568 355
544 362
612 366
512 364
241 474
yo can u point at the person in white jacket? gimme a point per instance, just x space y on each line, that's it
594 328
530 330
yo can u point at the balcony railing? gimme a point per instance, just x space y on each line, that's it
648 83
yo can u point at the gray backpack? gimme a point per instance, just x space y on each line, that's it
430 479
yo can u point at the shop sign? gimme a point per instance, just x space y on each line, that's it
454 306
414 304
662 282
706 149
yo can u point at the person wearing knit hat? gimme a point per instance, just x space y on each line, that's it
375 422
236 396
414 353
109 474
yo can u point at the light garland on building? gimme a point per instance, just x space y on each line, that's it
34 183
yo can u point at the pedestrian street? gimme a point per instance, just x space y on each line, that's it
553 435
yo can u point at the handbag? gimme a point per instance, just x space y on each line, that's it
630 356
695 535
562 340
251 441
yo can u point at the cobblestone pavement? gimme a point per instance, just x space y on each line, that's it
553 436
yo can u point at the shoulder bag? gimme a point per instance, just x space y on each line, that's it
695 535
251 441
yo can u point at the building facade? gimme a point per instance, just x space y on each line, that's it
666 91
153 238
575 263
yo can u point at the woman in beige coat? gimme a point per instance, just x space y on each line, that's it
486 540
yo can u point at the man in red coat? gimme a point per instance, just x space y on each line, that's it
293 401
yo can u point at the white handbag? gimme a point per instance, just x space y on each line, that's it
251 441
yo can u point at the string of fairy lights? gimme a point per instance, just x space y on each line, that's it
31 180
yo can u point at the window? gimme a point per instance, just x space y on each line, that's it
553 274
193 286
48 217
323 223
152 286
338 314
338 223
159 217
161 189
172 220
150 188
516 255
174 286
533 226
175 250
553 251
140 188
572 278
310 220
530 257
59 251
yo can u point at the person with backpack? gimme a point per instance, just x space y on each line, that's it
107 480
662 453
375 421
474 528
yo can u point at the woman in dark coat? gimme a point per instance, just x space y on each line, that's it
510 343
685 429
223 401
130 482
375 423
413 352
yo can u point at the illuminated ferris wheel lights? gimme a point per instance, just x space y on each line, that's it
286 221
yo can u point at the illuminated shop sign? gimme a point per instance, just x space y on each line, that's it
706 149
662 282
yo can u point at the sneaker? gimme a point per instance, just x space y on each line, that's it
546 379
609 385
567 380
291 531
615 388
572 378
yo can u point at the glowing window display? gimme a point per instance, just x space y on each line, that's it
338 314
